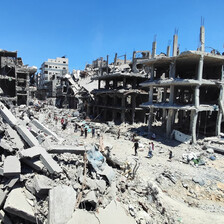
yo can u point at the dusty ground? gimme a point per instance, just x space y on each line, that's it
190 202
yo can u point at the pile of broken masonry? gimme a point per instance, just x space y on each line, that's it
48 179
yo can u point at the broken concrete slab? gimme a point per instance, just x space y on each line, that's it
81 216
7 115
66 149
62 201
27 136
15 138
9 184
32 152
181 137
46 130
50 163
34 163
116 212
42 184
12 166
17 204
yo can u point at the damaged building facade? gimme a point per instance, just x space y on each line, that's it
52 71
16 85
119 94
186 91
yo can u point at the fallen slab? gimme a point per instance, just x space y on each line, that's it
11 166
50 163
62 200
45 158
42 184
15 138
216 149
7 115
17 204
46 130
27 136
66 149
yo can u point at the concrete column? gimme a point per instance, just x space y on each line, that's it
99 84
169 123
125 59
115 84
153 49
133 104
151 94
171 98
218 123
193 125
172 70
175 44
123 109
200 68
115 101
196 96
115 59
168 51
152 73
150 120
202 38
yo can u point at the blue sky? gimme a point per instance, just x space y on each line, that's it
85 30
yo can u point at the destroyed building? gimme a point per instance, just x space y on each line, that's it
16 79
51 73
119 94
70 94
186 91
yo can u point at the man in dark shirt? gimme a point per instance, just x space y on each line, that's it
136 147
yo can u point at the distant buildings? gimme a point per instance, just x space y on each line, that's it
15 79
50 76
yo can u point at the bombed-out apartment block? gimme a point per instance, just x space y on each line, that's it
51 73
16 79
119 94
186 91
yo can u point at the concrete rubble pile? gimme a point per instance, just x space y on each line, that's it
45 178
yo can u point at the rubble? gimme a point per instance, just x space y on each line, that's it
62 201
17 204
12 166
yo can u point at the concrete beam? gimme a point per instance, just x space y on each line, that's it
27 136
7 115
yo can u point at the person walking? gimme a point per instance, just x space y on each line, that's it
151 148
118 133
82 131
93 132
136 145
86 131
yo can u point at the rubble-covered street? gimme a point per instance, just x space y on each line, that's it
51 175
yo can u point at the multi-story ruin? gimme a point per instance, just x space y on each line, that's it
119 94
15 79
186 90
52 71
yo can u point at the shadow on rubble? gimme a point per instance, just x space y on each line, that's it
159 133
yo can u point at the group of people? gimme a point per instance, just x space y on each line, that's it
150 148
